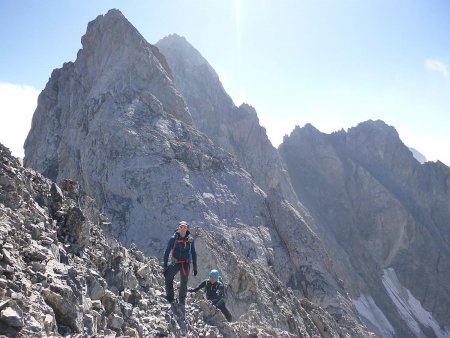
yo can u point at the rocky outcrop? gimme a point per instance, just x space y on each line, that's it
235 129
377 208
102 72
51 285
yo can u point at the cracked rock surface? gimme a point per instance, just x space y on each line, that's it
56 281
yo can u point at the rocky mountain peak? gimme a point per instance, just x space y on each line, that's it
114 36
306 136
235 129
249 109
377 133
197 81
378 147
179 46
308 128
116 66
375 204
105 27
117 124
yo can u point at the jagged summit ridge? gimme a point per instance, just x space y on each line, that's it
383 213
113 35
116 66
175 44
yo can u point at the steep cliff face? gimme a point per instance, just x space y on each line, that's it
114 121
235 129
378 208
102 76
62 274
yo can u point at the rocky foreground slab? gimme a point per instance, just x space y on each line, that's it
62 274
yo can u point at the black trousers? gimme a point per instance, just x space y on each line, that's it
225 311
172 270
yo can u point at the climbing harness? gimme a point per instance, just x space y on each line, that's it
182 261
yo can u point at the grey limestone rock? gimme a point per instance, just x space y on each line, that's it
114 122
12 315
96 285
63 302
235 129
377 208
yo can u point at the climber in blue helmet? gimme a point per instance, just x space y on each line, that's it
215 292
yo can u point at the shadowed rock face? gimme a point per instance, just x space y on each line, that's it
114 121
377 207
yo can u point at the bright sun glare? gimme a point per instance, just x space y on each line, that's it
237 8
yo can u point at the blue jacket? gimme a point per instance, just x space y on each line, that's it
183 249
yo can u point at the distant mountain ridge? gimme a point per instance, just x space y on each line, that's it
379 209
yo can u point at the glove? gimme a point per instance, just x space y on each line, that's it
190 290
195 272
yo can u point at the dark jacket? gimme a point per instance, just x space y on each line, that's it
214 292
183 249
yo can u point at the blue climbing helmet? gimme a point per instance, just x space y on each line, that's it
214 273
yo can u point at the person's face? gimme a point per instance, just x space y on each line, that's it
212 279
182 229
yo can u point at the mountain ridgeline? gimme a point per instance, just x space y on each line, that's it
378 208
313 239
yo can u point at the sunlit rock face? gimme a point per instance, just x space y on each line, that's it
235 129
115 122
377 207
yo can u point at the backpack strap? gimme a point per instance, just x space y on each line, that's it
175 235
178 261
177 240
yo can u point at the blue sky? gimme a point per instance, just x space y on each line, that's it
330 63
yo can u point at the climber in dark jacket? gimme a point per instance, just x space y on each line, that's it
182 250
215 292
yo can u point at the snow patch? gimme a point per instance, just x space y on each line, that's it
409 307
371 312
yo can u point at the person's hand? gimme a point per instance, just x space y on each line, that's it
190 290
195 272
